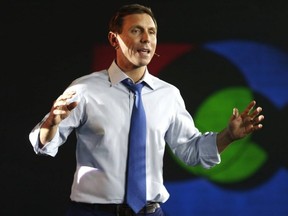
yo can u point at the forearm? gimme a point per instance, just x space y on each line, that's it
47 132
223 140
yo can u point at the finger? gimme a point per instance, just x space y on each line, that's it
251 128
62 99
258 119
69 94
248 108
257 127
59 111
59 103
256 112
66 95
235 112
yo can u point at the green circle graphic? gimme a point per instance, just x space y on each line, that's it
243 157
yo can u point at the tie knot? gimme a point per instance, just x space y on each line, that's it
136 88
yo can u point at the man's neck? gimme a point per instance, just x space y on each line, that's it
135 73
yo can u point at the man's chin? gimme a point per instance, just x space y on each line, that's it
144 62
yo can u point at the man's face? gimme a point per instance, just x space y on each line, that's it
137 41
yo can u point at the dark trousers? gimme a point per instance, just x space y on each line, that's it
78 209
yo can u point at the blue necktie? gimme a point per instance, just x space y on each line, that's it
136 171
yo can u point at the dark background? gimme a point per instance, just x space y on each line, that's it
46 44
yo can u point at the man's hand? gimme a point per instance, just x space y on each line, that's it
245 123
240 125
59 111
61 108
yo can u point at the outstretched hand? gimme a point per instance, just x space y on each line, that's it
59 111
245 123
62 108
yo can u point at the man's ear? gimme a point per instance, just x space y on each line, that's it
112 37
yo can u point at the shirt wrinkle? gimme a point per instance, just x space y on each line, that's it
101 120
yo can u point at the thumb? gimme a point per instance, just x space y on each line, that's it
235 113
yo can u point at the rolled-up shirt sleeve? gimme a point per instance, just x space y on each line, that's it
187 142
50 148
201 149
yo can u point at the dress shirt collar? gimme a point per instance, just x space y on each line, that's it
116 75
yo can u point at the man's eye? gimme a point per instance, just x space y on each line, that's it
135 31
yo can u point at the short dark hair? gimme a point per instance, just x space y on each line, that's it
116 22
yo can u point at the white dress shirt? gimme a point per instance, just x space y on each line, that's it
101 121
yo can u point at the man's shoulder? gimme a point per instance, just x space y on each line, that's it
160 83
92 77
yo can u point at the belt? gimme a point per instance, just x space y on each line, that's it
120 209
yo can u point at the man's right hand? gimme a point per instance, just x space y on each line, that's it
59 111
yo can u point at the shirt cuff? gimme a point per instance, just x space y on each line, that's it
209 154
50 148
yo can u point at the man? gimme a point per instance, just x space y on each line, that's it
99 107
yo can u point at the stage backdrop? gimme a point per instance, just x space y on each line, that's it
219 54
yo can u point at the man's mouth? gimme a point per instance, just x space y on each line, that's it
143 51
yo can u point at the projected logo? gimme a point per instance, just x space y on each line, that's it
213 78
216 77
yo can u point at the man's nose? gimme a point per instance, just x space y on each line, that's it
145 37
